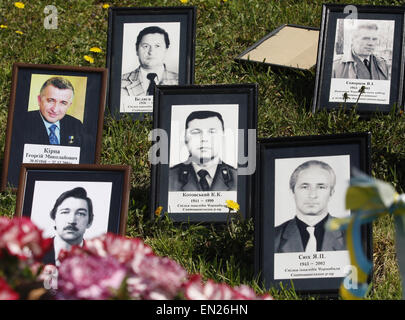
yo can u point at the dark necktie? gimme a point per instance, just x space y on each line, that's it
367 64
151 77
203 180
53 139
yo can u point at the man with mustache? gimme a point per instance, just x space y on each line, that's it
361 62
312 184
73 215
204 170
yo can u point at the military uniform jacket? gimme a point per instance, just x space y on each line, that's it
288 238
131 84
183 177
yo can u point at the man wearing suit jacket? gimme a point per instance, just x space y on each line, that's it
204 170
312 184
50 124
151 48
73 215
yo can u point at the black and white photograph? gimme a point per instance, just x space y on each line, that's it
360 59
204 151
150 56
70 212
56 116
302 183
310 193
147 47
74 203
363 50
203 156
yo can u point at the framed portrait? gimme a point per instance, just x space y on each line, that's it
360 58
74 203
301 185
147 47
203 153
56 115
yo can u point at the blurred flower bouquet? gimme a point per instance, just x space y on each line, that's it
107 267
21 248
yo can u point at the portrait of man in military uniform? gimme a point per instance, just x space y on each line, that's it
366 50
204 170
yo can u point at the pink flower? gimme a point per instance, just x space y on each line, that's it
76 251
125 250
49 276
6 293
156 278
22 238
244 292
195 289
89 277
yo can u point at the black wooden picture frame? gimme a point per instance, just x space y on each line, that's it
343 78
108 186
37 94
126 93
280 257
175 185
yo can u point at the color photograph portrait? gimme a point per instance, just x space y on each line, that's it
55 116
79 85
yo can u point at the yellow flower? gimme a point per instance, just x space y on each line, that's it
2 26
232 205
95 49
183 1
106 6
19 32
158 211
19 5
89 59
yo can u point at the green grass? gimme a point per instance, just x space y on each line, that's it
224 30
